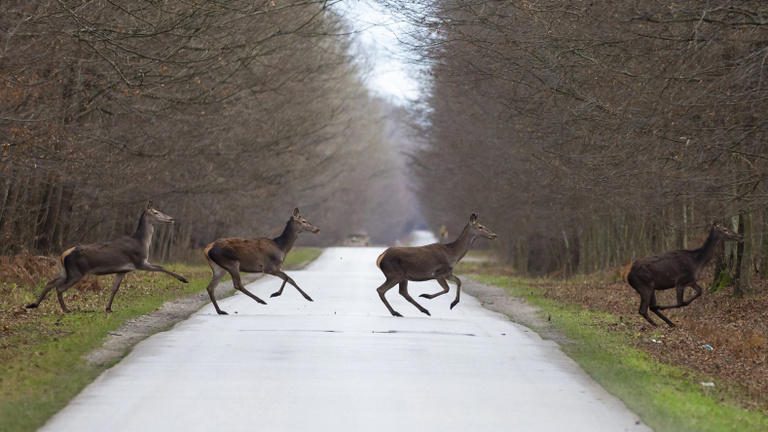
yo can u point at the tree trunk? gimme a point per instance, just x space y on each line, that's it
744 252
764 246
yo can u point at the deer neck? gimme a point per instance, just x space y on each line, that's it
459 247
705 253
144 233
288 237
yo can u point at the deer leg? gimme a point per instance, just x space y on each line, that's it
386 286
115 286
680 294
697 293
404 292
288 279
235 273
443 284
280 291
645 301
156 268
48 287
60 297
655 309
60 289
457 281
218 273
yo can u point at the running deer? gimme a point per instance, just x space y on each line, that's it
118 257
676 269
422 263
260 255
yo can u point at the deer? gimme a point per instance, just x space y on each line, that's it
676 269
119 257
258 255
422 263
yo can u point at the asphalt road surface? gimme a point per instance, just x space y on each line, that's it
342 363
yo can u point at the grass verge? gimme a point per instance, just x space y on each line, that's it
41 351
667 398
301 256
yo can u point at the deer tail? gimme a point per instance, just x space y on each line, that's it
65 254
378 260
206 252
63 258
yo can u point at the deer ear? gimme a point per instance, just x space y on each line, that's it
473 217
295 212
149 204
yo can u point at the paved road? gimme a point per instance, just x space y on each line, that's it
343 364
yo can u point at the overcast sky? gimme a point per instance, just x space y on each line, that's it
383 58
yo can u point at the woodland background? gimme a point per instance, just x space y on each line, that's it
585 133
226 114
593 133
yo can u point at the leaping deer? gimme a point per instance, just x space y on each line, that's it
260 255
422 263
676 269
118 257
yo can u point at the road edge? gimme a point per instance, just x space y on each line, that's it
517 309
121 341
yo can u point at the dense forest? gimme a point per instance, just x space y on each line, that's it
585 134
591 133
226 114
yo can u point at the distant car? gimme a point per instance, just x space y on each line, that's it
357 239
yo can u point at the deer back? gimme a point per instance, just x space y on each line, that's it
416 263
666 270
122 254
254 255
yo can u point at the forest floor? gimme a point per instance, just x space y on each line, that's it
708 373
47 357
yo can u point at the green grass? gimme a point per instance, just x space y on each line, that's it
300 256
667 398
41 352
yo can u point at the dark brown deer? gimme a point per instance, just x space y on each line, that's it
422 263
259 255
676 269
118 257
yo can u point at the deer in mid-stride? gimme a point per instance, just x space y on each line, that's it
118 257
422 263
676 269
259 255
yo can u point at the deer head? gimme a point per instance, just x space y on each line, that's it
154 215
302 223
478 229
726 233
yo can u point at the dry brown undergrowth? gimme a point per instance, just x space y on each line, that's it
719 335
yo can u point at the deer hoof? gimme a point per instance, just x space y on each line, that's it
183 279
308 298
261 301
108 310
426 312
396 314
275 294
426 296
221 312
454 304
32 306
